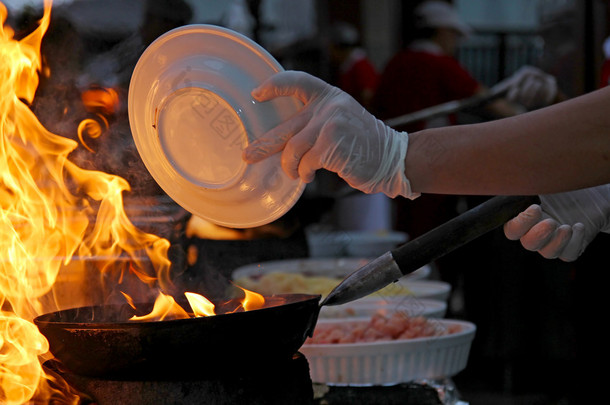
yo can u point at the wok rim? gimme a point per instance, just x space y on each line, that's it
43 320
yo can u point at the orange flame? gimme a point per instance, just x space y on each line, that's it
129 300
252 300
165 308
51 211
104 102
201 305
92 129
21 344
101 99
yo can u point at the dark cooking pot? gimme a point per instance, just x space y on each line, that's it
100 341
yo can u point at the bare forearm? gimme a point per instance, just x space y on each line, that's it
558 148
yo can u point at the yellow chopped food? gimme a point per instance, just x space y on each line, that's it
294 283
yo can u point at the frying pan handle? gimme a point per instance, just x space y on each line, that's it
459 231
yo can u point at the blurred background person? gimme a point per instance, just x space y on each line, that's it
354 72
425 73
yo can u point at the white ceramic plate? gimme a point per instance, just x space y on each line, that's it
191 115
320 276
353 243
329 267
391 362
430 289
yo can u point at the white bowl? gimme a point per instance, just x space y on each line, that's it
367 307
422 289
318 276
391 362
191 116
430 289
353 243
373 244
330 267
326 244
325 274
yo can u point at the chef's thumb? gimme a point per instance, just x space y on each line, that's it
301 85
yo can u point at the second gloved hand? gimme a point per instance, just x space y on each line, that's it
565 223
531 87
332 131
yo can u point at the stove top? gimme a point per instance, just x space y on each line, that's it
252 384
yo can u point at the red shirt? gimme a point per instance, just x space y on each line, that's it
358 74
414 80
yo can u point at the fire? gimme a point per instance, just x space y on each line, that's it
92 129
21 344
101 99
51 212
201 305
54 213
165 308
201 228
103 102
252 300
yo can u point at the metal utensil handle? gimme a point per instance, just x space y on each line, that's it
449 107
459 231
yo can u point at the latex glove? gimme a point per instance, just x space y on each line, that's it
565 224
332 131
531 87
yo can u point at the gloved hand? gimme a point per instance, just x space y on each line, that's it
334 132
565 224
531 87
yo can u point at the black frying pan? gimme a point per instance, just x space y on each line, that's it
100 341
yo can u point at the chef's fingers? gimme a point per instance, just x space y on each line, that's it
289 83
539 235
512 94
529 88
557 243
312 161
576 245
275 139
299 146
522 223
